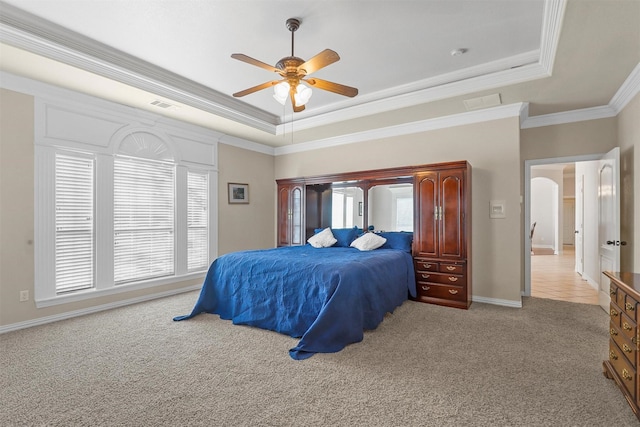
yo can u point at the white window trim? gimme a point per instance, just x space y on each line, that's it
96 127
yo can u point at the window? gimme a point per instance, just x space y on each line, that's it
119 207
404 213
143 211
197 221
74 231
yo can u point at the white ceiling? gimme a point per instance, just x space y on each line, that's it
556 55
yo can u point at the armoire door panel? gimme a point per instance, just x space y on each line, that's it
427 233
283 216
451 200
297 231
291 229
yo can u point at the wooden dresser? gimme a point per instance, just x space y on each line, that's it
442 235
624 338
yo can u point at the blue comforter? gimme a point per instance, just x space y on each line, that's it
327 297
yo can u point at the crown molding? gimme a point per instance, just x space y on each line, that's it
573 116
373 104
33 34
629 89
552 19
501 112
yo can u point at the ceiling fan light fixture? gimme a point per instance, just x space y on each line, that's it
292 70
281 92
303 94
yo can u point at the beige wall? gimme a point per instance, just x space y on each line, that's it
492 148
629 138
243 226
571 139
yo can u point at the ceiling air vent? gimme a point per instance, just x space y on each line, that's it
161 104
482 102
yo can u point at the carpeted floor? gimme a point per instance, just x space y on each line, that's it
424 366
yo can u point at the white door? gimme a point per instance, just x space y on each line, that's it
608 221
579 224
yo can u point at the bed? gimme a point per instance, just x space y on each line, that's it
326 296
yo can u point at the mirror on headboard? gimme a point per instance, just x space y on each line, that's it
382 199
391 207
347 206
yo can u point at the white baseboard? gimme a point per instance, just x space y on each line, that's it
595 285
89 310
496 301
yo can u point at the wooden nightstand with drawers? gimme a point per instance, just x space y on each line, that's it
622 365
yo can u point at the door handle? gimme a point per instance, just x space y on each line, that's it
616 242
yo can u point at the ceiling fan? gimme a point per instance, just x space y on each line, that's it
293 71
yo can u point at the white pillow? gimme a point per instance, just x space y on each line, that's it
368 242
323 239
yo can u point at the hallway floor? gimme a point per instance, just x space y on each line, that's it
553 277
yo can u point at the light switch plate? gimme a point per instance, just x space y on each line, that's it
498 209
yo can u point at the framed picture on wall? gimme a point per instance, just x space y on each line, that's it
238 193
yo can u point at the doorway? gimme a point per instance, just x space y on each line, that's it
553 253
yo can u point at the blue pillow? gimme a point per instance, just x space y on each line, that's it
397 240
344 236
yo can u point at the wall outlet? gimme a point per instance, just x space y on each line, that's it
24 296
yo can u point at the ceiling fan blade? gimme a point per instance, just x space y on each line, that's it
321 60
256 88
333 87
250 60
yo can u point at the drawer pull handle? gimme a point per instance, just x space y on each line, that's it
626 326
453 279
613 313
612 355
612 292
626 348
629 307
427 266
426 288
613 332
426 276
453 291
451 267
626 375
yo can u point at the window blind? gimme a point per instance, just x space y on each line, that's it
197 221
74 241
143 219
